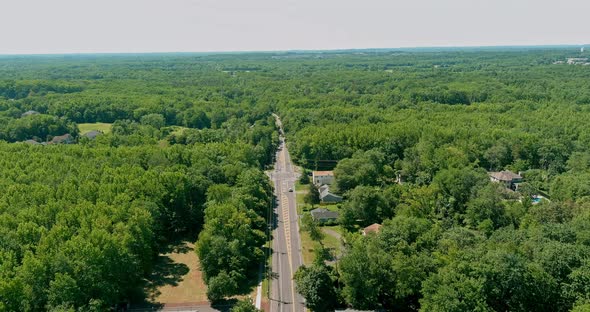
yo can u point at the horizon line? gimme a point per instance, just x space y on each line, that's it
319 50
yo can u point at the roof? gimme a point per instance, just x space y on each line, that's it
61 138
29 113
505 176
373 228
92 134
32 142
323 173
321 213
325 193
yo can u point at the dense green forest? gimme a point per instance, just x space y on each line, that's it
80 224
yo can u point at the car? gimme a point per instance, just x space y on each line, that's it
290 190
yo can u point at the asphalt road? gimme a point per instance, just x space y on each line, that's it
286 243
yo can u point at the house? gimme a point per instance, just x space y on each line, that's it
327 197
508 178
62 139
29 113
92 134
322 177
324 215
373 228
32 142
577 60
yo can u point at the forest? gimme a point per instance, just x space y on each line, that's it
411 136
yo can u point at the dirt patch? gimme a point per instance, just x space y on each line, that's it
177 278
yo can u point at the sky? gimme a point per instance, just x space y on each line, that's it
91 26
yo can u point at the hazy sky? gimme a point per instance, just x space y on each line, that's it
72 26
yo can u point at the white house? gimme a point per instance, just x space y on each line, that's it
322 177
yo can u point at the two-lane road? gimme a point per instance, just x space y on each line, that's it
286 243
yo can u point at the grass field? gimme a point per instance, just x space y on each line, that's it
177 277
99 126
308 246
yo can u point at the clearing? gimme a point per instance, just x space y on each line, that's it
98 126
177 278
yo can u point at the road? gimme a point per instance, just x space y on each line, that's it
286 243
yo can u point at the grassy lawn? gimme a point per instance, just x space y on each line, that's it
331 207
307 248
177 277
335 228
330 242
300 192
99 126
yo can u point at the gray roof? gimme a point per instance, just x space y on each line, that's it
32 142
324 214
325 194
29 113
92 134
506 176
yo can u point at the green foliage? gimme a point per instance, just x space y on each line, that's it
409 136
316 285
312 227
312 197
244 305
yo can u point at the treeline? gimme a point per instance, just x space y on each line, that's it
19 89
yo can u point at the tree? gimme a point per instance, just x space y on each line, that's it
220 286
365 203
315 284
312 227
155 120
244 305
312 197
304 178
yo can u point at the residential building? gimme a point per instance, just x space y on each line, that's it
322 177
92 134
508 178
373 228
32 142
322 215
327 197
29 113
63 139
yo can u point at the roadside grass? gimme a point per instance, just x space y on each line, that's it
300 192
98 126
308 247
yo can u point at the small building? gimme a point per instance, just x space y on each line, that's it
322 177
92 134
32 142
373 228
327 197
508 178
29 113
577 60
322 215
63 139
